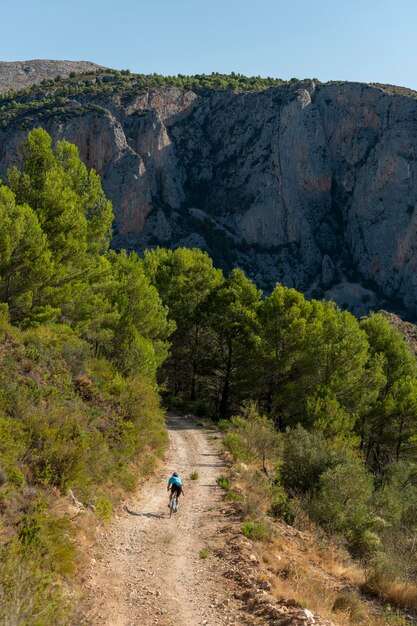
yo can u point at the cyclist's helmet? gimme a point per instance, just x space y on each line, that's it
174 474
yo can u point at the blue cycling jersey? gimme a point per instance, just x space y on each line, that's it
175 480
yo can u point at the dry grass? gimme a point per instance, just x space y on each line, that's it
254 486
318 572
341 567
305 580
395 593
293 578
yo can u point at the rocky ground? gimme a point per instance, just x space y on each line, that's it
193 569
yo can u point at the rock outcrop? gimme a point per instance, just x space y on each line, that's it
16 75
311 184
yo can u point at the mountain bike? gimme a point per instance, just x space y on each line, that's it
173 504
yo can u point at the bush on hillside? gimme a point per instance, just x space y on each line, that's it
28 592
341 505
305 458
281 506
258 531
253 438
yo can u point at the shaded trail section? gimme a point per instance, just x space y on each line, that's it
147 568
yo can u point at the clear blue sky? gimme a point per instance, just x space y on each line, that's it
363 40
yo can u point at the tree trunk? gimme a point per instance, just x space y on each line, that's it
399 442
194 365
193 377
224 402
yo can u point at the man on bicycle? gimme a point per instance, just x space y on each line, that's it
175 486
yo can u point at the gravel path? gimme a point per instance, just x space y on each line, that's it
147 569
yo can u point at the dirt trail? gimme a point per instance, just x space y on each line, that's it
147 569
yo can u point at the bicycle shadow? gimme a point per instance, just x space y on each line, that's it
148 515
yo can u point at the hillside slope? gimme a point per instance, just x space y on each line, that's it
20 74
311 184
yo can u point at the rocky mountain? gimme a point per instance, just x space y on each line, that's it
15 75
311 184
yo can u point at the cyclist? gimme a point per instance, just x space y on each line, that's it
175 486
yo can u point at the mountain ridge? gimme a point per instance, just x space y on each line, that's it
16 75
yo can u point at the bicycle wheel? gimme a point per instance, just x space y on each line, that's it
172 505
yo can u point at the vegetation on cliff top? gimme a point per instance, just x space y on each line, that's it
51 97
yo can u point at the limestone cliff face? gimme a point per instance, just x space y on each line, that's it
314 185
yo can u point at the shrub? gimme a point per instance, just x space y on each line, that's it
350 603
28 593
363 542
233 442
104 375
223 482
49 536
258 531
234 496
12 449
386 578
253 438
4 320
281 506
141 405
305 458
341 505
15 477
194 476
258 489
104 508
